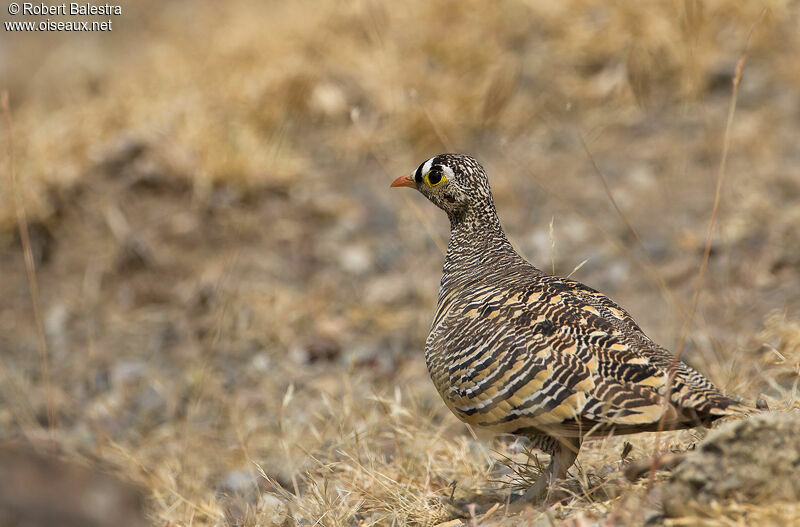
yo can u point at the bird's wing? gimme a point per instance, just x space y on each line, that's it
689 391
553 354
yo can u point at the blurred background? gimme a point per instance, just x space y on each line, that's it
231 303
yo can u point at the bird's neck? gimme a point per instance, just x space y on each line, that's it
478 247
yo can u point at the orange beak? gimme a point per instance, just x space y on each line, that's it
403 181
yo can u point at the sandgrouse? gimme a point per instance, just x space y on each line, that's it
515 350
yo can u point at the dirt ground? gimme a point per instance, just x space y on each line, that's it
230 304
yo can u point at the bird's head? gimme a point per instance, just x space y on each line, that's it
455 183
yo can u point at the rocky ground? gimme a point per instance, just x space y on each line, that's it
232 303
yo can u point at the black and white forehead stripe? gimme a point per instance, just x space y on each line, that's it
425 167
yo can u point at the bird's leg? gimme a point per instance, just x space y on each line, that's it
563 452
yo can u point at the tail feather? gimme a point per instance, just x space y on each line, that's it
730 407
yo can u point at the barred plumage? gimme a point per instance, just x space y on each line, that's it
515 350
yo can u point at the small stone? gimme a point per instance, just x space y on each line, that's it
55 321
260 362
387 290
239 483
605 470
319 348
273 511
133 255
150 402
128 372
328 100
355 259
452 523
609 489
638 468
652 516
114 157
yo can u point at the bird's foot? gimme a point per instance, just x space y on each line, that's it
537 493
541 493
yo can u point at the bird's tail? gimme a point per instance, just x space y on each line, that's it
725 406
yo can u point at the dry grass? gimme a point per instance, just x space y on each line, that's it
234 302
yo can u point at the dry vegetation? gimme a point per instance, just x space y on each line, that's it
234 304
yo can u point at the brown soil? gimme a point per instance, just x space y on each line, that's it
233 302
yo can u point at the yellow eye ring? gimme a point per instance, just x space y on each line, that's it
434 178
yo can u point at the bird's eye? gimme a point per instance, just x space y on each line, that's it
434 178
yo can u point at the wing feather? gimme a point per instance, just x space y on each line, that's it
555 355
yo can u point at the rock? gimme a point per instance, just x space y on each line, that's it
640 467
40 490
320 348
754 460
